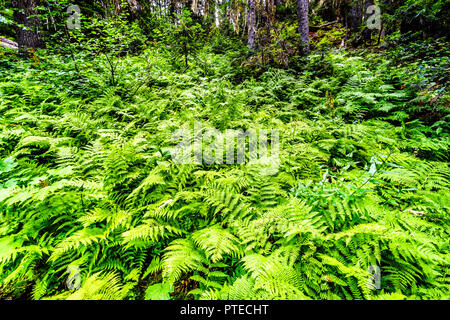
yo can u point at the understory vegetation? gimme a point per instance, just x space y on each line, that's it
94 204
88 185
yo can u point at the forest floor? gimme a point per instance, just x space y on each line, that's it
89 185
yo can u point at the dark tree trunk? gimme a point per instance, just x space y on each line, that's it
367 33
29 38
356 15
303 23
172 9
251 24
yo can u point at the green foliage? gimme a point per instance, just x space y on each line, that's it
159 291
87 180
182 39
330 38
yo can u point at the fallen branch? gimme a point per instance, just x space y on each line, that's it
315 28
6 43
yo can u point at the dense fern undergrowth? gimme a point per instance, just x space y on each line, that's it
88 185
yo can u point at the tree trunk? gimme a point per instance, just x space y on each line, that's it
217 15
135 6
303 23
356 15
367 33
251 24
27 38
193 6
205 9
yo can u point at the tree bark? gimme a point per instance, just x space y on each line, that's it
205 9
367 33
251 24
135 5
303 23
29 36
356 15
